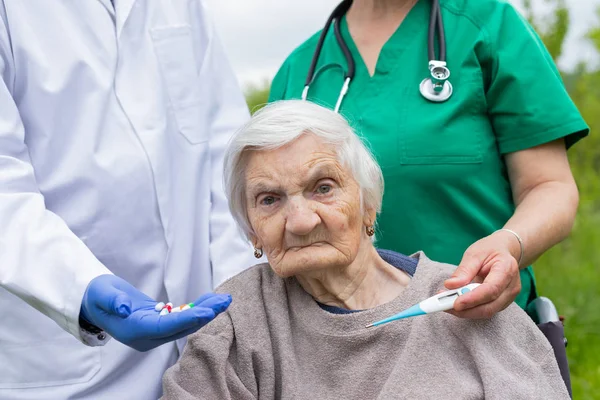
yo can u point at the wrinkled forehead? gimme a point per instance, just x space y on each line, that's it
298 162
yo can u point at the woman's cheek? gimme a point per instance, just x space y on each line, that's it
270 230
350 214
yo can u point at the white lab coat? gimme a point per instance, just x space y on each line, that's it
113 124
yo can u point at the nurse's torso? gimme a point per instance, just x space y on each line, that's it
117 136
446 184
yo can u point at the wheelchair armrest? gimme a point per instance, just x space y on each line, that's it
545 310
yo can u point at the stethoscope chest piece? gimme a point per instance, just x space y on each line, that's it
428 91
437 88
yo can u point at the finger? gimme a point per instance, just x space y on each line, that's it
488 310
116 302
204 297
175 323
465 272
491 289
480 312
217 302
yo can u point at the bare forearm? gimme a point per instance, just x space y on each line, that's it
543 218
546 197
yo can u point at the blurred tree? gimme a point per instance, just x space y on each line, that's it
552 30
585 159
594 33
257 96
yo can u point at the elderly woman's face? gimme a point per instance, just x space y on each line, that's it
304 207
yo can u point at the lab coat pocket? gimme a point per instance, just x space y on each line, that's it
181 73
449 132
62 361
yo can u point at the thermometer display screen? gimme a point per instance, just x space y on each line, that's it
448 297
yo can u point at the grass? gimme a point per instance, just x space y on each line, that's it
569 274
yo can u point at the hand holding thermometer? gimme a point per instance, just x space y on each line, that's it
440 302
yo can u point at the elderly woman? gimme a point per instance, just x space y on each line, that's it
306 191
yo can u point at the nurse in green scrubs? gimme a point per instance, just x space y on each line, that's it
492 156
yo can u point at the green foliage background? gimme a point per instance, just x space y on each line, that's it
569 273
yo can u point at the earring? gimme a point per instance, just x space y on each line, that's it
370 230
258 253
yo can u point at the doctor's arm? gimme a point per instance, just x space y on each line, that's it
41 261
45 264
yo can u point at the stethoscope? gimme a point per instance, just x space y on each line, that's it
436 88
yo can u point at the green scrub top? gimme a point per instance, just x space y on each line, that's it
446 182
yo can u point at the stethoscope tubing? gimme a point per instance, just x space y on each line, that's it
436 25
435 21
337 13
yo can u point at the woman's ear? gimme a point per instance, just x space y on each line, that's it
369 217
255 242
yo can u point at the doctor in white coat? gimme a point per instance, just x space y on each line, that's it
113 122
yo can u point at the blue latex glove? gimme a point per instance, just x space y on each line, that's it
128 315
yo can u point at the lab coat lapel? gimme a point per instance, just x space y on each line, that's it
123 9
109 7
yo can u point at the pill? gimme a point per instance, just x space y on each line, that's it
185 307
159 306
176 310
164 311
170 304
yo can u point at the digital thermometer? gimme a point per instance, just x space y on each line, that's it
440 302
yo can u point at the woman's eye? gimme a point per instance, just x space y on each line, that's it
268 200
324 189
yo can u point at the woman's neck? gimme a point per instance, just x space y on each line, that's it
372 10
372 22
367 282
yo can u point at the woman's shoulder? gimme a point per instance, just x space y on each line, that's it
432 273
480 12
251 291
293 67
251 281
305 49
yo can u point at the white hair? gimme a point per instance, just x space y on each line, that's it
282 122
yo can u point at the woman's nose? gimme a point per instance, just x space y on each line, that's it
301 219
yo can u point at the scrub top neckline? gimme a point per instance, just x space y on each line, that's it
393 48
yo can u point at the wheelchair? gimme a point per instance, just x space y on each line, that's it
544 313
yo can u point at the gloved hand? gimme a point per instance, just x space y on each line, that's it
128 315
